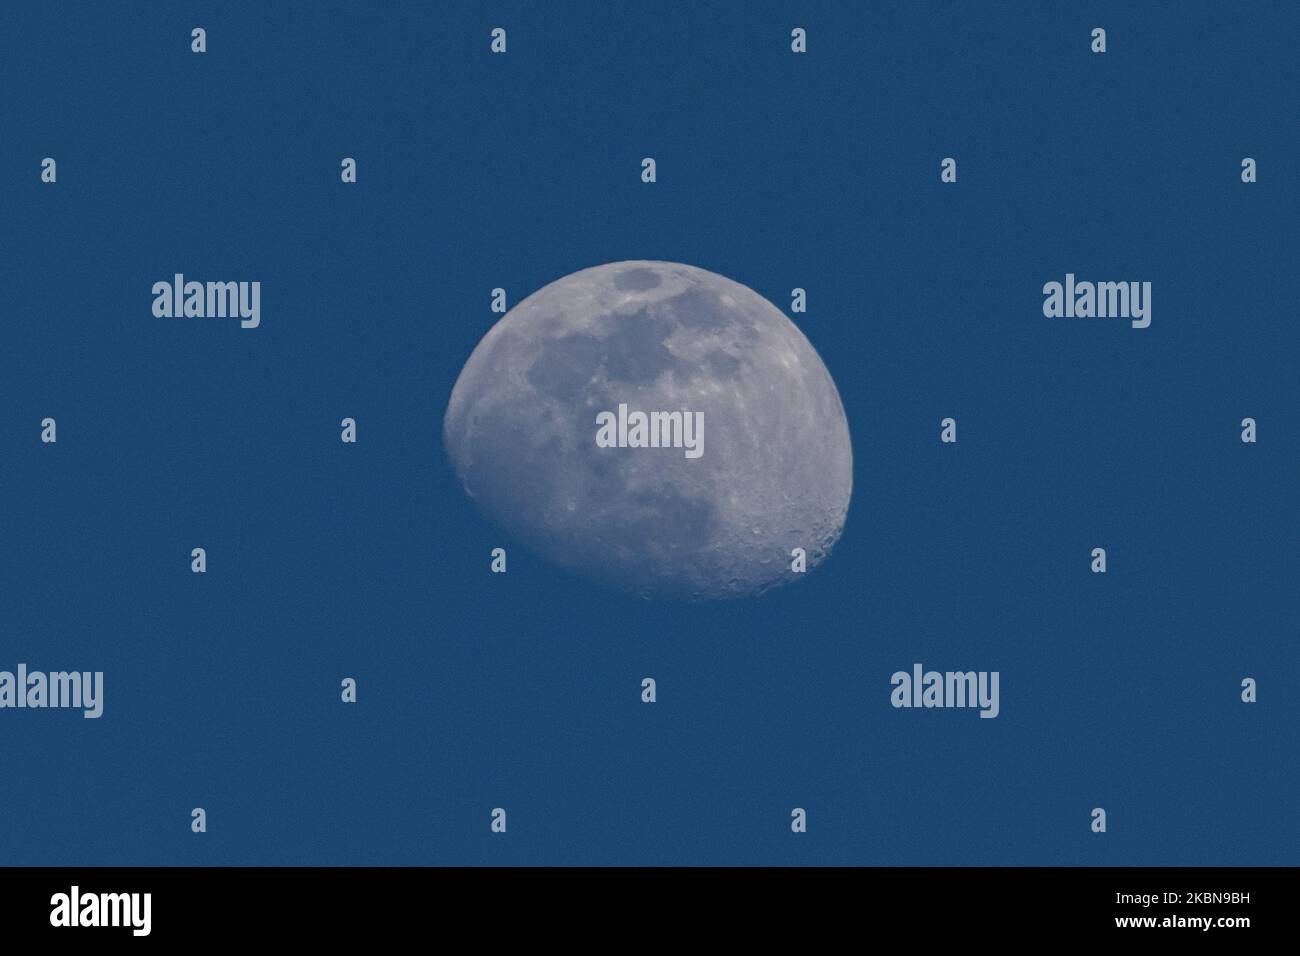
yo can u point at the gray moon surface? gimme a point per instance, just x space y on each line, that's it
776 469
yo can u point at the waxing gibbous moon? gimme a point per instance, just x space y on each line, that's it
774 470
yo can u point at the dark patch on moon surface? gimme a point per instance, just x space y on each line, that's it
635 280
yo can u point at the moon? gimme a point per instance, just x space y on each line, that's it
775 472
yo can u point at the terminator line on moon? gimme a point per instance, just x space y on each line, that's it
776 471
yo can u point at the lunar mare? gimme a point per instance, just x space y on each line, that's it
520 430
